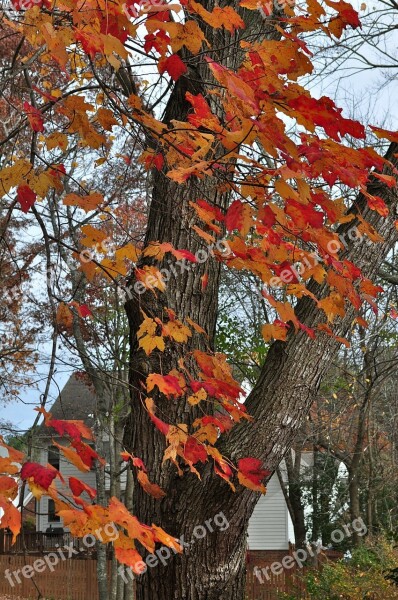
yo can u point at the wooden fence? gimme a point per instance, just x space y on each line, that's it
272 586
75 578
72 579
38 542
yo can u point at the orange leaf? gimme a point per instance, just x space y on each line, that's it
277 331
151 488
87 203
8 487
168 385
226 17
11 518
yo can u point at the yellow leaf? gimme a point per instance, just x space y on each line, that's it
177 331
148 340
276 332
57 140
197 397
92 235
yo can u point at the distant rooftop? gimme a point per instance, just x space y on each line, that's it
76 401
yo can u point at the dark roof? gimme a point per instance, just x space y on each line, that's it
76 402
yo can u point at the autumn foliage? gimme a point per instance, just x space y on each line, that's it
285 205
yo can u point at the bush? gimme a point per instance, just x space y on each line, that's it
364 577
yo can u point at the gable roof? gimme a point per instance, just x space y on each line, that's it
76 401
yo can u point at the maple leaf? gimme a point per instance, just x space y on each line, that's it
177 331
8 487
14 456
84 311
26 197
169 385
151 488
90 202
200 395
57 140
277 331
64 318
194 451
119 514
106 118
392 136
87 453
6 466
221 466
161 425
41 475
251 473
72 456
173 65
239 216
148 339
11 518
130 557
78 487
35 117
325 113
74 429
226 17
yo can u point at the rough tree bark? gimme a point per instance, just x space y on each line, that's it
213 568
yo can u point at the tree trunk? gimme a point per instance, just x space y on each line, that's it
293 494
213 568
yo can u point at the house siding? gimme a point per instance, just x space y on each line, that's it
67 470
268 525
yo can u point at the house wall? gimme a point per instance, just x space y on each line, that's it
268 526
66 470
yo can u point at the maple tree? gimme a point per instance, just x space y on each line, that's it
222 163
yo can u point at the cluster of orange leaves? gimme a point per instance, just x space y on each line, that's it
81 516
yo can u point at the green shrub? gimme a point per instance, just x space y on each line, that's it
363 577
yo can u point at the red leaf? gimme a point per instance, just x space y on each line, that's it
239 216
251 473
78 487
26 197
173 65
87 454
91 43
42 476
325 113
34 116
194 452
74 429
84 311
